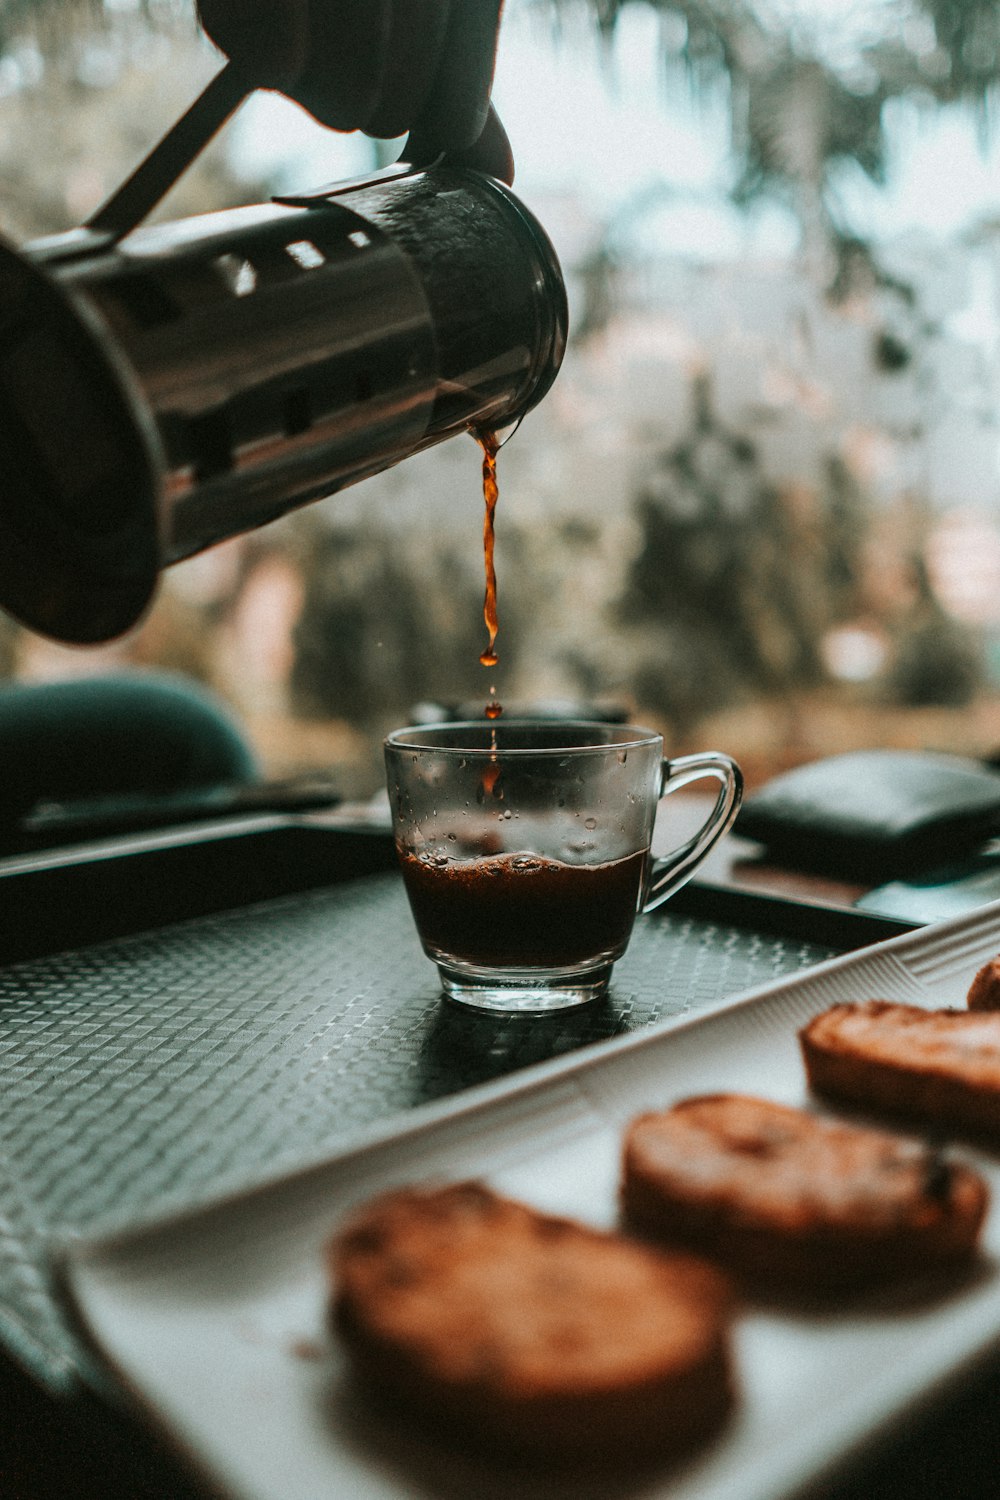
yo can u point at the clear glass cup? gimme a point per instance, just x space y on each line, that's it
525 850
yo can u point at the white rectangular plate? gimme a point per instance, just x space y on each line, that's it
215 1320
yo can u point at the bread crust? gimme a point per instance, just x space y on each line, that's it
938 1068
520 1334
984 991
793 1203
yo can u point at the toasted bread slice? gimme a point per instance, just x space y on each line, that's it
984 991
792 1202
519 1333
939 1068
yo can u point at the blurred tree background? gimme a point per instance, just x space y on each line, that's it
779 606
85 87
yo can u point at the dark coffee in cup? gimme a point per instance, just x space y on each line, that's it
522 910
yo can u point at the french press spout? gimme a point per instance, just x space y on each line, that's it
165 387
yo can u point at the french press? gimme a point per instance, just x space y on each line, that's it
165 387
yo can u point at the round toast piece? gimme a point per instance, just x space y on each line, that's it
984 991
793 1203
937 1068
520 1334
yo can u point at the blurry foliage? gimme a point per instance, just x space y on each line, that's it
968 34
801 107
936 663
935 659
735 582
86 89
386 622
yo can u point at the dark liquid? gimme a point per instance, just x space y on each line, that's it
488 442
491 775
522 911
488 658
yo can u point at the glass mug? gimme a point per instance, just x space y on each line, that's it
525 850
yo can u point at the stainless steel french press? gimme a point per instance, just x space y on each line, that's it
165 387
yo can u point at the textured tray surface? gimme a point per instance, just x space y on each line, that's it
218 1320
140 1075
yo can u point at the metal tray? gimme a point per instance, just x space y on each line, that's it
148 1070
215 1321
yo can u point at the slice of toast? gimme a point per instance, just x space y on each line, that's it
517 1333
984 991
794 1203
938 1068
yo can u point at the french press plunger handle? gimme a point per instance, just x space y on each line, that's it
170 158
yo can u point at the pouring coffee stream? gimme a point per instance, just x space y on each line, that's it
490 445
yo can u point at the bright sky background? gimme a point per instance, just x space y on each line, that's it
603 128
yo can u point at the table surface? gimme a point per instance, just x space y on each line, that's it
54 1446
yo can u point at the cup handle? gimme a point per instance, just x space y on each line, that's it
674 870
